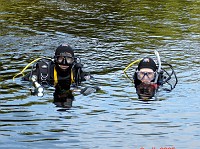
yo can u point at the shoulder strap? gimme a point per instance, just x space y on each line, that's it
72 76
55 77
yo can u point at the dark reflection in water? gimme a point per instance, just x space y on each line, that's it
107 35
64 99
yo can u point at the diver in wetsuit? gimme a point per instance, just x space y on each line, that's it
149 77
62 72
144 78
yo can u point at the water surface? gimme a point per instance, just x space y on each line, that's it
107 35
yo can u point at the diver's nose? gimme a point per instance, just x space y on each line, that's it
145 79
64 61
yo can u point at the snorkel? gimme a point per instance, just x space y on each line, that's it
159 66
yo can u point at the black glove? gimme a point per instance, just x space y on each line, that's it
88 90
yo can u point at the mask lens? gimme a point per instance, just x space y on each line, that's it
69 60
141 75
60 59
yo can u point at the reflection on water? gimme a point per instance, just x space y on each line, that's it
64 99
107 35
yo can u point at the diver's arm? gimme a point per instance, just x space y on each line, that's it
82 76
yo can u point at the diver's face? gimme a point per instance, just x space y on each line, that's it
146 75
64 60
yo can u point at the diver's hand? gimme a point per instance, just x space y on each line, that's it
87 77
89 90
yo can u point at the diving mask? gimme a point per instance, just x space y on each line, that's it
142 74
64 59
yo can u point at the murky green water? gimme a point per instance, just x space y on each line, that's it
107 35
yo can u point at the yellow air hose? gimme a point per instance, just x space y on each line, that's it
127 67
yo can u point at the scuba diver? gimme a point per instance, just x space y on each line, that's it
149 77
62 72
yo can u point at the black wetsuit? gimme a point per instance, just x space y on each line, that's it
64 77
